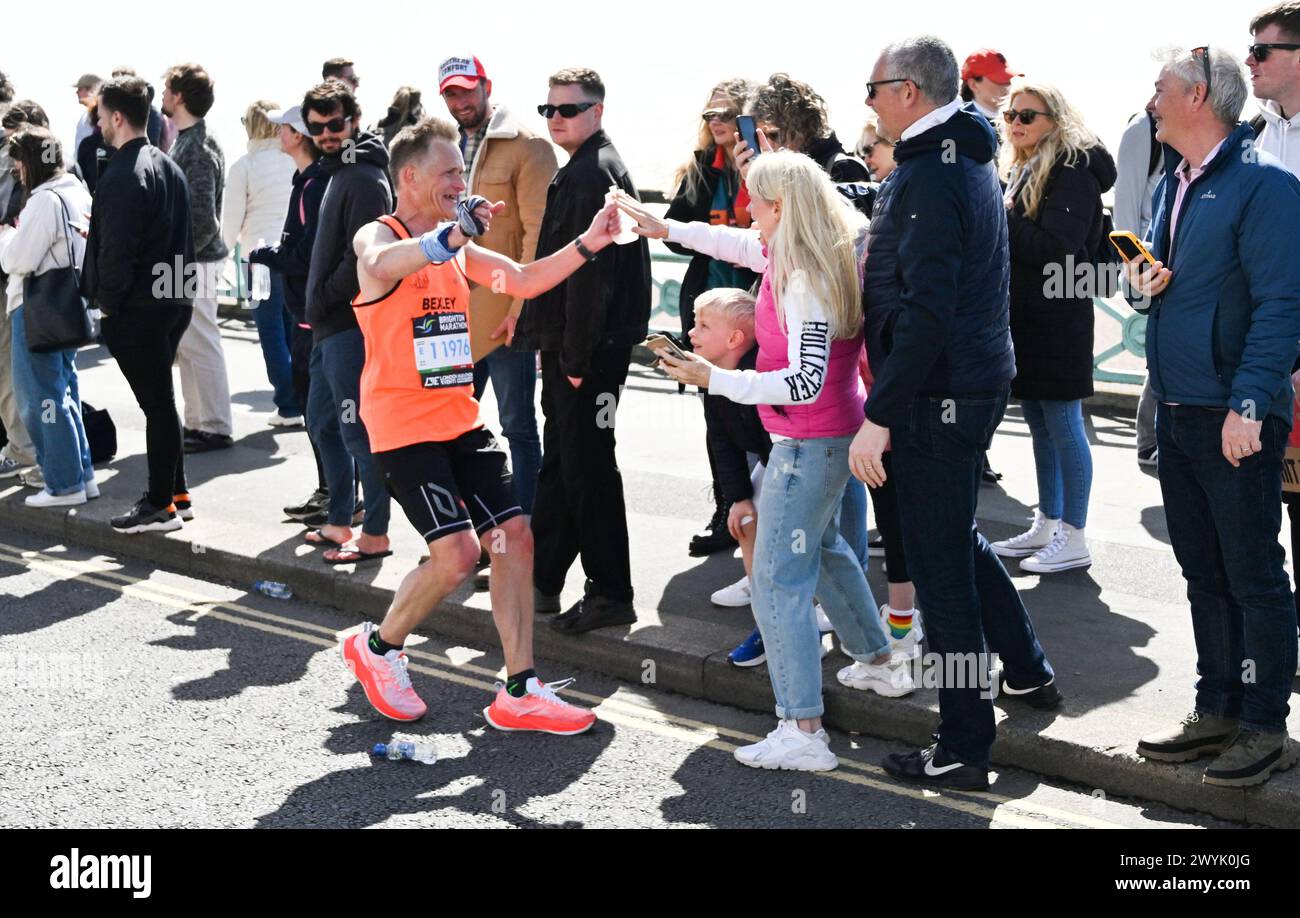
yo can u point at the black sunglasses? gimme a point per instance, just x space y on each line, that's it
721 114
871 87
1203 53
334 125
1262 51
567 110
1026 115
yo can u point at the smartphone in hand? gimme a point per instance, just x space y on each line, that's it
748 129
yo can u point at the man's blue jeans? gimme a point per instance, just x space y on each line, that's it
514 380
971 606
334 415
274 327
1223 525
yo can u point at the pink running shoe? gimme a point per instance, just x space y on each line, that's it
540 709
385 680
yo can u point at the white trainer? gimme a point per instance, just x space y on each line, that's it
890 680
1038 536
278 420
823 620
92 490
44 498
1067 550
733 597
789 748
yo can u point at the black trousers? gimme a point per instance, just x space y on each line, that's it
885 502
1293 512
143 340
579 508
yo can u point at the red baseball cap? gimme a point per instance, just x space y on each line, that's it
465 72
988 63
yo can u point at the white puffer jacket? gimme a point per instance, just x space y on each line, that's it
257 196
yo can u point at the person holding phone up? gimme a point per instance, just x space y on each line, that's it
1223 306
810 397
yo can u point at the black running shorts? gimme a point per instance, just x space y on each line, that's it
450 486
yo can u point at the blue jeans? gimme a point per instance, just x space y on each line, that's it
514 379
971 606
274 326
45 386
1062 457
799 552
334 416
853 519
1223 525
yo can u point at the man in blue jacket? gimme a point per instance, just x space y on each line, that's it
935 294
1222 333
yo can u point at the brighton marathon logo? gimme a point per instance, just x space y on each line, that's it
103 871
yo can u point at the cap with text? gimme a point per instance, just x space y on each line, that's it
988 63
465 72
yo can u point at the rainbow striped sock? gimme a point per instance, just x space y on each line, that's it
900 623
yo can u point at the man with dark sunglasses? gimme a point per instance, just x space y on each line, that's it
1274 63
1223 306
585 329
356 166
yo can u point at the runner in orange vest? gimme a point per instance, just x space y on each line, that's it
444 467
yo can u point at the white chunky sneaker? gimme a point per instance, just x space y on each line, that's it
891 680
789 748
44 498
1067 550
823 620
732 597
1038 536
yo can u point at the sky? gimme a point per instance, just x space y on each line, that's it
658 60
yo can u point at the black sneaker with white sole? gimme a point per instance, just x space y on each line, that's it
145 517
1044 697
318 501
933 767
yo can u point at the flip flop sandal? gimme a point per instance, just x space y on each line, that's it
318 538
358 556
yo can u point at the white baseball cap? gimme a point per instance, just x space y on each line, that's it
290 116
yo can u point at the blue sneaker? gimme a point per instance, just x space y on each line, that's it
750 652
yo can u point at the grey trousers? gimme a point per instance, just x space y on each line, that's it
19 448
1146 418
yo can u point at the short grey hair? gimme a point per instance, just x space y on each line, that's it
1228 89
928 62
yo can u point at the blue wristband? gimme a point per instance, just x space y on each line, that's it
435 245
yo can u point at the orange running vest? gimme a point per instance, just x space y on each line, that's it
418 382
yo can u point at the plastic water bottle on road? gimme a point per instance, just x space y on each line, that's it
273 589
398 750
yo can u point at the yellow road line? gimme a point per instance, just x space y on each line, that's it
632 714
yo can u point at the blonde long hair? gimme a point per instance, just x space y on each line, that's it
816 235
1069 140
737 90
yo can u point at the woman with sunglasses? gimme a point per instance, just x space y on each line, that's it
875 151
1056 171
810 397
710 190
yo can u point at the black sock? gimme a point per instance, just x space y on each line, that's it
517 685
378 646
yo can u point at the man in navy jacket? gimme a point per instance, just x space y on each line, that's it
1223 327
935 294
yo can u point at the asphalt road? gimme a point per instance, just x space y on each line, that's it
137 698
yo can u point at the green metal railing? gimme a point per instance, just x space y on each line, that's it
1133 326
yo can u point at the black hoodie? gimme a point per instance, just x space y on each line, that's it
359 192
1051 312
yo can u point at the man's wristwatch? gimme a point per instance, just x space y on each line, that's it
583 250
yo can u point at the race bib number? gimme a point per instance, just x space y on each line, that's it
442 353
